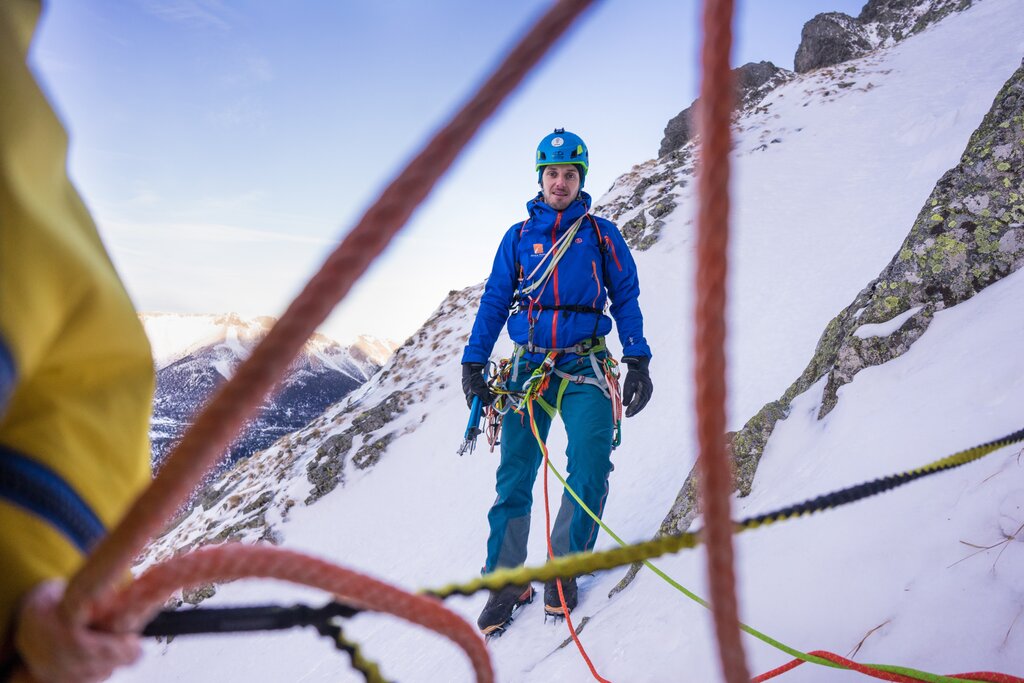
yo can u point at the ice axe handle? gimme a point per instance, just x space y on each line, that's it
473 430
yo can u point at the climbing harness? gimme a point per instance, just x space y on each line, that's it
505 372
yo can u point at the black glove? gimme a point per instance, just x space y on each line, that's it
474 384
638 387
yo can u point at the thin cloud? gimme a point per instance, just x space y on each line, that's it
202 13
197 232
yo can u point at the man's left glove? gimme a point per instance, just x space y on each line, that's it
638 387
474 384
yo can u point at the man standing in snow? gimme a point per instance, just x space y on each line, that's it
551 279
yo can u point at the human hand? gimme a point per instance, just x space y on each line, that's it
638 387
474 384
55 651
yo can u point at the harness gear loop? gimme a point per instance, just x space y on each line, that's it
500 375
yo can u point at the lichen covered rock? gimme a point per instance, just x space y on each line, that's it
327 469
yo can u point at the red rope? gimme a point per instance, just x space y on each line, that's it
986 676
551 550
220 420
131 608
716 103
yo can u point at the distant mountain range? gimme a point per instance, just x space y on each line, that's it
194 354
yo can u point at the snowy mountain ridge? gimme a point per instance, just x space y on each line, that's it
828 181
176 335
194 354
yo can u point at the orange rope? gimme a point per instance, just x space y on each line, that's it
237 399
551 550
131 608
716 102
986 676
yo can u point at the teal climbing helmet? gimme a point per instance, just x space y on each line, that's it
563 147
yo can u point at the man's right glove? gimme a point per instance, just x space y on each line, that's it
474 384
638 387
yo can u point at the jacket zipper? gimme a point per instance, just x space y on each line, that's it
554 275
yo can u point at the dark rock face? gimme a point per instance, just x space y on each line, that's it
753 81
678 132
968 235
829 39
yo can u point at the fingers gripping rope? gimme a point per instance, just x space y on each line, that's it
133 606
238 398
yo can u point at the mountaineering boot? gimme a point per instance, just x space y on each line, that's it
553 604
497 613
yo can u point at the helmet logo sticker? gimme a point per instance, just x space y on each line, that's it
557 142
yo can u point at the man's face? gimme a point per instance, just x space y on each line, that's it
560 183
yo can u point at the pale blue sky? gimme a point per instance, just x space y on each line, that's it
225 147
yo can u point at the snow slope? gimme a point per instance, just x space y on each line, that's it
818 214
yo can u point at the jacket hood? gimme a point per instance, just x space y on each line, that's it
544 214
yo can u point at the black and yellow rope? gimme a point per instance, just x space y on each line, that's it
586 563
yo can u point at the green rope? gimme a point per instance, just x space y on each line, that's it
791 651
587 563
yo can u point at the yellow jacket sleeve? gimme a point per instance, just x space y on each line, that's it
76 372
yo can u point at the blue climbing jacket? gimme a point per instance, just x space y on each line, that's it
568 309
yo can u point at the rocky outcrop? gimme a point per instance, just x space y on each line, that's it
327 468
639 201
903 18
753 81
968 235
831 38
834 37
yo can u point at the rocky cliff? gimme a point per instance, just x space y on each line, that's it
968 235
828 39
833 37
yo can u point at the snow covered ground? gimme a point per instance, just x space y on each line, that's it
818 215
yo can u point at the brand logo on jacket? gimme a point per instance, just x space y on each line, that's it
538 248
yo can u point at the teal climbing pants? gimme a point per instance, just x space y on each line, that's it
587 415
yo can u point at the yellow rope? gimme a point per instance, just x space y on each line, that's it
589 562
